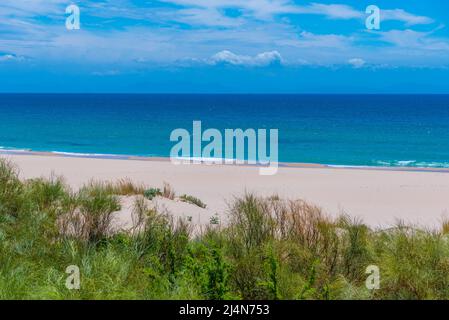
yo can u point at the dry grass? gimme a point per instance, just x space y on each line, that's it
168 191
126 187
445 226
139 214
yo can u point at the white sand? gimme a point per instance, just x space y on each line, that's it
379 197
126 218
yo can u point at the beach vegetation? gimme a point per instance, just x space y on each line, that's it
151 193
168 191
126 187
269 248
193 200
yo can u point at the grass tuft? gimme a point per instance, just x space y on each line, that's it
125 187
193 200
168 191
96 205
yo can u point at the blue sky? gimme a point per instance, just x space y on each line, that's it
251 46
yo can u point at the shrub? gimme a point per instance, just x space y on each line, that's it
214 220
218 274
272 283
167 192
150 194
251 224
167 240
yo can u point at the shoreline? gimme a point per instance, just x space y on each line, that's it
209 162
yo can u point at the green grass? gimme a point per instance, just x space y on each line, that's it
270 249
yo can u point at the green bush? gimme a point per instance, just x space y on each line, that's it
152 193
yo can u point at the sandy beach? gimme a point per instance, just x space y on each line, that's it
379 197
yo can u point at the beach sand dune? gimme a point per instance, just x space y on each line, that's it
379 197
126 219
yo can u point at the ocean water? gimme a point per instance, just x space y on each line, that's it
349 130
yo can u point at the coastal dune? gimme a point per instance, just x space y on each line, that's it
379 197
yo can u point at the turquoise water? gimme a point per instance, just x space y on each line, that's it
352 130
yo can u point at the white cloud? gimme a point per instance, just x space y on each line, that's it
345 12
207 11
10 57
334 11
28 8
7 57
205 17
357 63
404 16
266 9
261 59
261 9
106 73
152 36
422 41
311 40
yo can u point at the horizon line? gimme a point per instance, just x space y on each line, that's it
225 93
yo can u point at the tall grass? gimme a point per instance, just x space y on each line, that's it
168 191
96 205
126 187
10 190
270 249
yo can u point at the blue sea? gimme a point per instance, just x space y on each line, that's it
346 130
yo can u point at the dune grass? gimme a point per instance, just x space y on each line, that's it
126 187
193 200
270 249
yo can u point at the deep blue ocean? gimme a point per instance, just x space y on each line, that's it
353 130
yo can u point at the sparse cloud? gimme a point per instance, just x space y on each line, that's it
107 73
357 63
7 57
205 17
406 17
410 39
259 60
206 11
4 57
307 39
333 11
